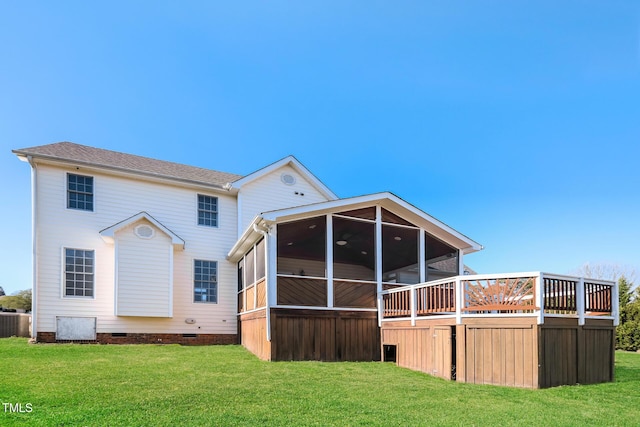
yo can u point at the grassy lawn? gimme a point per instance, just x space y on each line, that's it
170 385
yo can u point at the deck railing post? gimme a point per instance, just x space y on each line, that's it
412 301
580 300
615 304
459 299
380 309
540 297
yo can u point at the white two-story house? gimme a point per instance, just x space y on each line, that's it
133 249
128 249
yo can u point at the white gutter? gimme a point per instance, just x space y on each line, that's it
265 233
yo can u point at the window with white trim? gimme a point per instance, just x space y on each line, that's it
78 272
207 210
205 281
80 192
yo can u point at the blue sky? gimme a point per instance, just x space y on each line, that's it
516 123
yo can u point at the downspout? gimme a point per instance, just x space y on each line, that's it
265 234
34 253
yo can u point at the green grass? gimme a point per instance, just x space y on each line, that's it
170 385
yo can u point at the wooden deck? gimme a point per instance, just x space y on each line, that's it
529 330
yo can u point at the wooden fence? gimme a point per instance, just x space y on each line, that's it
14 324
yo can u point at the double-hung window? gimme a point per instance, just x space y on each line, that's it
205 281
207 210
80 192
78 272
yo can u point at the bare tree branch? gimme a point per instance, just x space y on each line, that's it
607 271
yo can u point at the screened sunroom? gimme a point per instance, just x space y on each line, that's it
316 270
338 259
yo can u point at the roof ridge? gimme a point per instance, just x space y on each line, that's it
71 151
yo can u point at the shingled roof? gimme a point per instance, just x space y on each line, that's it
91 156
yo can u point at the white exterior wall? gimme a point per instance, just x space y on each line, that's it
269 193
144 284
115 199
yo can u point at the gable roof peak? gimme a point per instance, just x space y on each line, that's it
289 160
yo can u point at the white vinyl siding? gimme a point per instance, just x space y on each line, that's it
270 193
120 198
144 282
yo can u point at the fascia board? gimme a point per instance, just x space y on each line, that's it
281 214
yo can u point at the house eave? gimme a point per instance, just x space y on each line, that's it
250 236
57 161
386 200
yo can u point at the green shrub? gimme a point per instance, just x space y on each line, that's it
628 336
628 332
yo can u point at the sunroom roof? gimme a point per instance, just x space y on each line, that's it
386 200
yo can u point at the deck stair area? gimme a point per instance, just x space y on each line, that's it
525 329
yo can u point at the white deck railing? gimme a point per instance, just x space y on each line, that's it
533 294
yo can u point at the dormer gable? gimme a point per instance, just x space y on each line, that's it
108 233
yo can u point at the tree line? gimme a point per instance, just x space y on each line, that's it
628 331
20 300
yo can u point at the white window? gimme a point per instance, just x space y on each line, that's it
78 272
207 210
80 192
205 281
